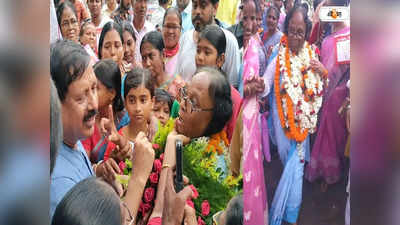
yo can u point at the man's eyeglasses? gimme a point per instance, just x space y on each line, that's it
190 106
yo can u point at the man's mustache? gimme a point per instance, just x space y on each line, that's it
196 18
90 114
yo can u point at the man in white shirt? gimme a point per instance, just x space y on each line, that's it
109 7
203 13
98 18
55 33
140 25
185 8
156 12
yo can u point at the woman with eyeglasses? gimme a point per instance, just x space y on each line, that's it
294 83
68 21
171 32
205 109
211 48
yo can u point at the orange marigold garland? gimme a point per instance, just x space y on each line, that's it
291 121
214 142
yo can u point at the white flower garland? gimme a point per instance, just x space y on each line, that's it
304 112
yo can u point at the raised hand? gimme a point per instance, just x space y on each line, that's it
108 129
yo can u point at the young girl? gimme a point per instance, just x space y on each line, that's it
108 89
152 52
110 45
138 94
129 42
211 52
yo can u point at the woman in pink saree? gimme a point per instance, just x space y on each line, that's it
328 151
255 209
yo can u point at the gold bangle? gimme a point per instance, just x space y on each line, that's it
166 165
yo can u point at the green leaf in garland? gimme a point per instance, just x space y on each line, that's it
160 138
200 167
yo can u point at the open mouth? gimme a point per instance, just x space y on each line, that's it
89 123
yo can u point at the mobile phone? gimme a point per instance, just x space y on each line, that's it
179 166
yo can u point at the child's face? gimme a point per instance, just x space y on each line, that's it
161 112
207 55
104 95
139 104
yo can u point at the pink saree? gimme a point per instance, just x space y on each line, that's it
254 191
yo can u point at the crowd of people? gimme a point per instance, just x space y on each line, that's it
235 81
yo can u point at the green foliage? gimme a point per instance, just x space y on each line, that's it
160 138
202 172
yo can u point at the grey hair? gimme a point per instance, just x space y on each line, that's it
56 131
220 93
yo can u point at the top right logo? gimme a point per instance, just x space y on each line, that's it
333 14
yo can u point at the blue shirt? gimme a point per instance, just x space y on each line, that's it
187 18
72 166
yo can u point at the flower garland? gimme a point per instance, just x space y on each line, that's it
299 97
214 143
149 193
213 187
